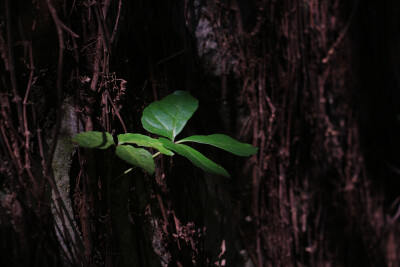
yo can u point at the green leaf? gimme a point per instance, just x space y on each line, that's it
136 156
168 116
224 142
93 139
143 140
195 157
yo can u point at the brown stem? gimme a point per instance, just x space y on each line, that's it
116 112
116 22
17 98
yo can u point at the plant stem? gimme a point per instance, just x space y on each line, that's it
126 172
155 155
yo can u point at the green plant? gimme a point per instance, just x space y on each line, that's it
167 118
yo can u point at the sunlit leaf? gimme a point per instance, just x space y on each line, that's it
168 116
93 139
224 142
143 140
136 156
195 157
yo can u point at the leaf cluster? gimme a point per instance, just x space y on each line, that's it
166 118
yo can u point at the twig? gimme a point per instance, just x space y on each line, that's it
116 111
68 30
332 50
84 210
125 173
16 98
28 89
100 16
261 18
239 20
170 57
116 22
39 137
96 66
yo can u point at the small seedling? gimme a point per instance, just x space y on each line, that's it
167 118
